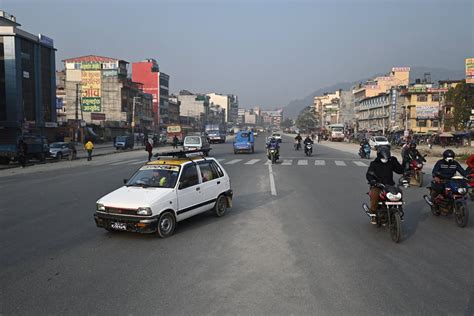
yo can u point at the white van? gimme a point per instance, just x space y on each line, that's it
197 143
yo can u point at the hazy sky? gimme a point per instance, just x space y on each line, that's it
266 52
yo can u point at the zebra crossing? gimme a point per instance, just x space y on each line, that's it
257 161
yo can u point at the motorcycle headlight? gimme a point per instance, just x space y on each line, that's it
100 207
462 190
144 211
419 165
394 197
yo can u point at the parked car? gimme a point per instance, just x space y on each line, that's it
197 143
376 141
164 192
277 136
59 150
124 142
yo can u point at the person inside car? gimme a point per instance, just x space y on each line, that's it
159 178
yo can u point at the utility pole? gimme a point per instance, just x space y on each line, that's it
133 116
77 113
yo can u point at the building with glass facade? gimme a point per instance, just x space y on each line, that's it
27 82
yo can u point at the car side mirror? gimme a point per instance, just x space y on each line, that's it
125 181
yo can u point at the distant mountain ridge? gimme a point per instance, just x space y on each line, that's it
294 107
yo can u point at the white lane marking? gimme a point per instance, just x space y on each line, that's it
360 164
287 162
319 163
272 180
253 161
302 162
340 163
233 161
124 162
268 163
139 162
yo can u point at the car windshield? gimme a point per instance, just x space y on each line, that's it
121 139
277 135
157 176
193 140
56 145
380 139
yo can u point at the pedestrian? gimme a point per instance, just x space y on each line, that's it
72 147
89 146
149 149
175 141
22 153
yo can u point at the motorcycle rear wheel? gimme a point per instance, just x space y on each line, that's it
461 214
395 227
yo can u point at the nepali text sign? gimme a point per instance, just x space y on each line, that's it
469 70
393 106
91 66
91 91
427 111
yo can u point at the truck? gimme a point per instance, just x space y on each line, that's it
215 133
336 132
37 146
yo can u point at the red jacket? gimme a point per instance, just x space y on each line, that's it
470 161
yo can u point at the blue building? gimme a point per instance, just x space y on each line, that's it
27 82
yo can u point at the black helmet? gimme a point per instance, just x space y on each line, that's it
383 154
448 155
413 145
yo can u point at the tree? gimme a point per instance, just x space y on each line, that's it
462 99
307 119
287 123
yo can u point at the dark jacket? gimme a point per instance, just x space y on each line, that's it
411 154
380 172
446 170
307 141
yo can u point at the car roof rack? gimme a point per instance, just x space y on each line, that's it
182 154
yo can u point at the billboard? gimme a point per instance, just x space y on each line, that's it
425 112
469 70
91 91
393 106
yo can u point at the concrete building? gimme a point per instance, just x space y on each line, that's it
194 108
273 118
27 82
156 83
99 94
228 102
327 107
398 77
240 116
173 110
250 118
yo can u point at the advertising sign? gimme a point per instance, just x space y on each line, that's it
46 40
427 111
91 66
469 70
393 106
174 129
417 89
91 91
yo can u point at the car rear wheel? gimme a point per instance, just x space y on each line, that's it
166 224
221 206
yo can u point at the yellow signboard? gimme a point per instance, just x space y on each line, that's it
469 70
91 91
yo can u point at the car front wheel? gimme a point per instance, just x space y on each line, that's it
166 225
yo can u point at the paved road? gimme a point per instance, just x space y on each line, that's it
306 249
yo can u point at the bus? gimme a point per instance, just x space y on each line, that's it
336 132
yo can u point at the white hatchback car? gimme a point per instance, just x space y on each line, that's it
277 137
164 192
376 141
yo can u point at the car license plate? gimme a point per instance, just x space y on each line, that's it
118 226
393 203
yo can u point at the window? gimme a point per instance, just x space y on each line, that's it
218 169
46 83
421 98
421 123
28 80
189 177
208 173
435 97
434 123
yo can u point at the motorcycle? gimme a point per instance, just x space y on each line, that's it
451 201
273 154
364 151
390 209
415 173
308 149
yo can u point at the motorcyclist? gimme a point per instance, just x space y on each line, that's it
363 144
308 140
273 144
381 171
443 171
298 140
411 153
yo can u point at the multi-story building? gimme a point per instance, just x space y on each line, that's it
327 107
99 94
156 83
228 102
273 118
173 110
398 77
240 116
194 108
27 82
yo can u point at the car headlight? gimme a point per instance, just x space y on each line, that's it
100 207
394 197
144 211
462 190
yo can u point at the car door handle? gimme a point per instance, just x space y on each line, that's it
218 182
197 189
